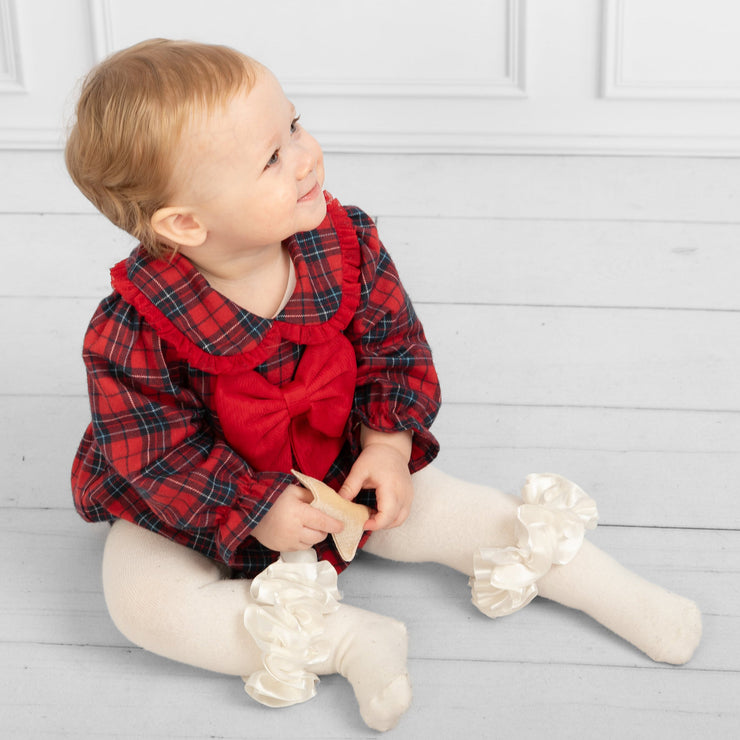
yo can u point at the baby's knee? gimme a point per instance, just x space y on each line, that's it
146 579
129 593
449 521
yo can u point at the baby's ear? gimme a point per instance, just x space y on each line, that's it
178 226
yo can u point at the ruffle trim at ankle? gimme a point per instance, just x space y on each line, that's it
550 527
292 596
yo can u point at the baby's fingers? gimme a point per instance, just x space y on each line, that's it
384 518
353 483
321 522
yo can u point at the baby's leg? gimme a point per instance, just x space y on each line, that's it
453 522
177 603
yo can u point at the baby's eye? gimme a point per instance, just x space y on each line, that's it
294 124
273 159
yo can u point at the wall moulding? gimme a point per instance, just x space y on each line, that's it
11 76
31 139
619 35
510 84
101 29
483 105
545 144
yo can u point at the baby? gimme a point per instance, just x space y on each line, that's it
259 328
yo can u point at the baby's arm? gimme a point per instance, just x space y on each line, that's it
397 394
383 465
293 524
153 431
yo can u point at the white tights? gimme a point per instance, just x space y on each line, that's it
175 602
451 520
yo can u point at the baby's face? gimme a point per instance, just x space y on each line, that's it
250 171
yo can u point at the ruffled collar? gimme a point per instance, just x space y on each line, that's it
214 334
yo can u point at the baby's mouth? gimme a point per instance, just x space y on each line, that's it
311 194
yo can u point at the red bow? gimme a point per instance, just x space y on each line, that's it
299 424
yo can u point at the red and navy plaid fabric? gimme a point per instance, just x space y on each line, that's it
155 453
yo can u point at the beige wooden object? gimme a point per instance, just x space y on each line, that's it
351 514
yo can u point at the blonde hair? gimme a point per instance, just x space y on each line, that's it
130 115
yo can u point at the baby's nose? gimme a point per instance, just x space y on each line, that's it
307 157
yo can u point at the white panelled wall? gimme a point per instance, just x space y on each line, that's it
475 76
559 185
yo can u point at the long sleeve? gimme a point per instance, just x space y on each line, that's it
151 452
397 385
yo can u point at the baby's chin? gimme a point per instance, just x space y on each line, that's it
320 214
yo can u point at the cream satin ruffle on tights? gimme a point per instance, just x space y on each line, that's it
468 526
279 632
549 530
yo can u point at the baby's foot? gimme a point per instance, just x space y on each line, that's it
371 654
665 626
672 628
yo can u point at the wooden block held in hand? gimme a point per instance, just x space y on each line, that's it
352 515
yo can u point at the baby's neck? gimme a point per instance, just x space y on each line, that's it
259 283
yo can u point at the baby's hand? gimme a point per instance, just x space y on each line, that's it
292 524
382 465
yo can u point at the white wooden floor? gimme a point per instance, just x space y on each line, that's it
585 317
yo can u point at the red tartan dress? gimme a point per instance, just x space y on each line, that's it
200 409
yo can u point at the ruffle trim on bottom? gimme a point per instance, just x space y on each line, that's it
292 596
550 527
